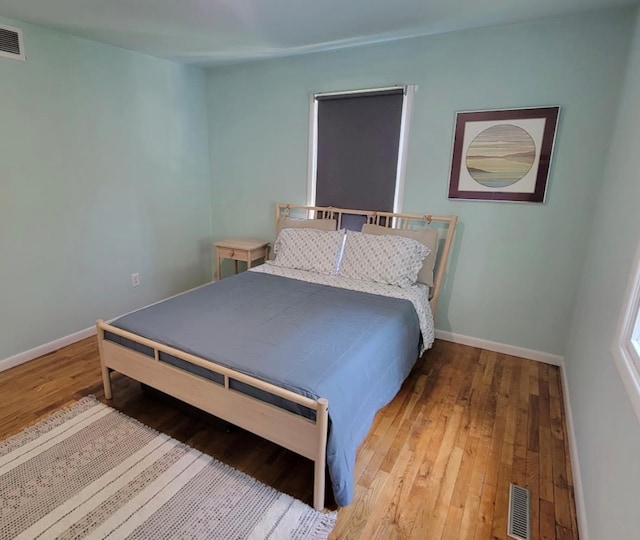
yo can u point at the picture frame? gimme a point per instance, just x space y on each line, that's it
503 155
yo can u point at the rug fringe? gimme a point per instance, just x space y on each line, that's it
324 528
46 421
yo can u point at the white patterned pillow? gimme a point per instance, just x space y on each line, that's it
428 237
383 259
313 250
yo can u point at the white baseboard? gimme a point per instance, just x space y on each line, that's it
47 348
56 344
503 348
581 513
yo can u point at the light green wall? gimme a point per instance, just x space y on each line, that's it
103 172
606 428
514 271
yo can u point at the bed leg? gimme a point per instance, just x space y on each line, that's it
106 374
106 382
322 423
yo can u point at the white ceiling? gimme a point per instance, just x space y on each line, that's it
219 31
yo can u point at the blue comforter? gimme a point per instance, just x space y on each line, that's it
353 348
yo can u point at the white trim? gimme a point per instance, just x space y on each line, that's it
581 512
47 348
624 350
54 345
530 354
361 91
312 173
403 146
41 350
18 31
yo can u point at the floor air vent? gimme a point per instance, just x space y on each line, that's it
518 525
11 44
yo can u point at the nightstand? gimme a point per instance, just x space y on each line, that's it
239 249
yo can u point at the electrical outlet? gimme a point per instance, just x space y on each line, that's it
135 279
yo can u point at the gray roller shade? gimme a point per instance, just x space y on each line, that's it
357 152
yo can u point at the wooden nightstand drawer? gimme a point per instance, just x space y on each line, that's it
229 253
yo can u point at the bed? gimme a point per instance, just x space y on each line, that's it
303 359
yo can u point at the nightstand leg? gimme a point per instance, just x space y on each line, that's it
218 267
235 262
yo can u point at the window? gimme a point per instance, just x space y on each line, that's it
626 347
357 148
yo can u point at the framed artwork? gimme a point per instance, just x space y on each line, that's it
503 155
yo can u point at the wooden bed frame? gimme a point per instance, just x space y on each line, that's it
294 432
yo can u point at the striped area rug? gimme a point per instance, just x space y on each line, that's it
88 471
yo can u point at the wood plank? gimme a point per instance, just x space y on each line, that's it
547 521
469 516
545 439
532 483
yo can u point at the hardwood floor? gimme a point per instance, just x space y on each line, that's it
437 462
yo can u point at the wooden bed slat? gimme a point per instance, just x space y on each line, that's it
211 366
278 425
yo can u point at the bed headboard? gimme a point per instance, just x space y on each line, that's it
446 226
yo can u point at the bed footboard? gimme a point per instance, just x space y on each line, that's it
294 432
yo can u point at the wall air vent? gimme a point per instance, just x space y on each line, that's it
11 44
519 521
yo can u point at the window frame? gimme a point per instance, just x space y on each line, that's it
626 345
405 125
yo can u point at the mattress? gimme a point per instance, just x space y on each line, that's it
352 347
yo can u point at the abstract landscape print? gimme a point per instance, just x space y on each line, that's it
503 155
